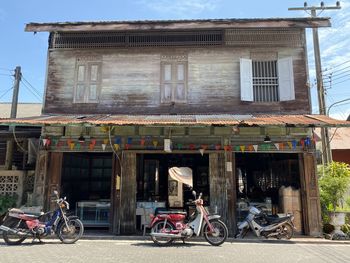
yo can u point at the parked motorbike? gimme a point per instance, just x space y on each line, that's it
168 226
17 225
266 226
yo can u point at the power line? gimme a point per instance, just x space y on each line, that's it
3 95
6 69
30 90
331 79
333 84
336 66
2 74
31 85
336 72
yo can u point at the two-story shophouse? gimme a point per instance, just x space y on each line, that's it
128 104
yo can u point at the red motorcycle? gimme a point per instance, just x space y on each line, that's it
168 226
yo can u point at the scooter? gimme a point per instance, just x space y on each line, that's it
168 226
18 226
266 226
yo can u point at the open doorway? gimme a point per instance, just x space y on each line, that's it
156 189
271 181
86 182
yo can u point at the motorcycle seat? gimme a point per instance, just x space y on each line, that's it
15 212
278 219
172 212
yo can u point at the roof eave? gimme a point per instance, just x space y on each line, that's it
178 25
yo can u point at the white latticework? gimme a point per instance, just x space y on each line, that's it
8 184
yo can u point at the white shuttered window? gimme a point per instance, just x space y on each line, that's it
267 81
88 78
174 81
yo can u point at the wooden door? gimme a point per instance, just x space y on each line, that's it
310 195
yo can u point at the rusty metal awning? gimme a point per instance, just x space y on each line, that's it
181 120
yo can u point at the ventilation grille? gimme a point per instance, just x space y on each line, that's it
264 37
153 39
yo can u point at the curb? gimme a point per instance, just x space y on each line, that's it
297 240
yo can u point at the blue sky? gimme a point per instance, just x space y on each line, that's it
29 51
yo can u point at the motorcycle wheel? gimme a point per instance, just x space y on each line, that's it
160 228
220 234
287 231
72 233
12 239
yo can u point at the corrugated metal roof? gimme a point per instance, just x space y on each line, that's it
184 120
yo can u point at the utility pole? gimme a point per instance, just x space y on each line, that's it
10 142
326 149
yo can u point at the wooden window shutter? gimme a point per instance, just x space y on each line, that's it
286 79
246 79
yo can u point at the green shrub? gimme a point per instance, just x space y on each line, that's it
345 228
6 202
334 181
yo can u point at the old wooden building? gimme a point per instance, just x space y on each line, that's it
128 101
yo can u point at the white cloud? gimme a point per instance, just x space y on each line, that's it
181 8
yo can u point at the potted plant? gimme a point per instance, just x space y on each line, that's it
334 182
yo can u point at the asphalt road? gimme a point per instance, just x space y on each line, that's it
145 251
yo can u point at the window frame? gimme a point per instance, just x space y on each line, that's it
285 79
174 61
87 82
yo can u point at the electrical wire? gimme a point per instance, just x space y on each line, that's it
23 78
33 93
333 67
5 92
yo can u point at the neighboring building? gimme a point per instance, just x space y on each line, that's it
339 143
20 179
228 98
23 109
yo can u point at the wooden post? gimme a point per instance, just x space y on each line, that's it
40 178
10 142
218 186
127 213
115 196
54 173
231 192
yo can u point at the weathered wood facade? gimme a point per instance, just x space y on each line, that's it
124 68
130 77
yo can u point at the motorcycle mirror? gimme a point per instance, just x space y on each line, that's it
55 192
194 194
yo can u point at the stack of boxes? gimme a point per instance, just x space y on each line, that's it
290 202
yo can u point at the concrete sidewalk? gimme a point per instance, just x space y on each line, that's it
91 235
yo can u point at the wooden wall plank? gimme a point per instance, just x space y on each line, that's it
131 81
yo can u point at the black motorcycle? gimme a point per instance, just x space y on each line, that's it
266 226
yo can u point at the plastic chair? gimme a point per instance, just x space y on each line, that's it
145 220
